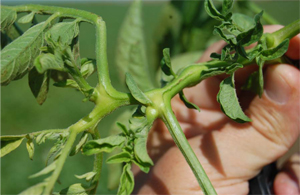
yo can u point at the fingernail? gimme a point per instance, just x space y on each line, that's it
277 88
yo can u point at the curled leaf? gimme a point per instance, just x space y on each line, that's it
76 189
119 158
229 102
81 142
30 148
45 171
107 144
135 91
27 18
87 176
36 189
187 103
10 143
126 181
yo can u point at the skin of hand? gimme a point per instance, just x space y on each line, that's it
230 153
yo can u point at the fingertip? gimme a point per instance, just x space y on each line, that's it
285 185
293 51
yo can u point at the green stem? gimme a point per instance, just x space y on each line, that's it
175 130
102 62
98 161
287 32
60 162
65 12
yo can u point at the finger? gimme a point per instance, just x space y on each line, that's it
172 175
287 181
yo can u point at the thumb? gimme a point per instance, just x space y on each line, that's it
275 116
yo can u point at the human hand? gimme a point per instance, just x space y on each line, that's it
229 152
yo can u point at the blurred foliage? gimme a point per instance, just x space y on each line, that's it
20 112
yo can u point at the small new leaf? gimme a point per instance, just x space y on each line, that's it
48 62
69 83
166 63
126 181
36 189
123 128
30 148
76 189
10 143
87 176
135 91
27 18
187 103
226 6
107 144
229 102
81 142
252 83
120 158
260 62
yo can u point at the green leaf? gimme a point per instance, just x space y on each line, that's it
39 84
41 138
48 62
229 102
30 148
166 63
242 21
140 151
187 103
253 34
10 143
64 32
45 171
119 158
35 190
17 57
212 11
226 6
27 18
8 17
76 189
126 181
135 91
276 52
131 50
87 176
81 142
107 144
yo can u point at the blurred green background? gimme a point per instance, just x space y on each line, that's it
20 112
